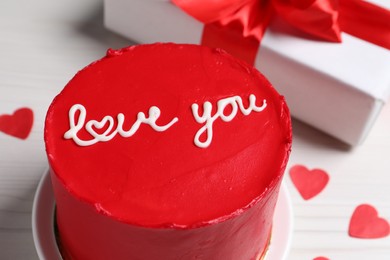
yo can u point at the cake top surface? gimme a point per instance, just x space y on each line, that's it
168 135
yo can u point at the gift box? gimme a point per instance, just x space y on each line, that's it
338 88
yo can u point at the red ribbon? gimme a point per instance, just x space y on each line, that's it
239 25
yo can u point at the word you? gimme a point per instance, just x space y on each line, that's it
79 123
235 103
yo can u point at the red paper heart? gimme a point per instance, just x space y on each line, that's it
19 124
321 258
309 183
365 223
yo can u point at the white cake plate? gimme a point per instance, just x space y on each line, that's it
46 245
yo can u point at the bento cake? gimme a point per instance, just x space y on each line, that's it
167 151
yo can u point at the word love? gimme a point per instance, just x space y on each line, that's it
109 133
234 102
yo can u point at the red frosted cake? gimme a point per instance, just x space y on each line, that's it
167 151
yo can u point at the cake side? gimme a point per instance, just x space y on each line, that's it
87 235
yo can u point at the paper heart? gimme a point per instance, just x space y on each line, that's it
309 183
321 258
365 223
19 124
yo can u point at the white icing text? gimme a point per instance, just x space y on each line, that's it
235 102
108 123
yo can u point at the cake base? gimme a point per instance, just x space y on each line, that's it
43 224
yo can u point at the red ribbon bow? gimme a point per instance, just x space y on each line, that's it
238 25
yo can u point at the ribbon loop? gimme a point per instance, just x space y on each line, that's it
316 17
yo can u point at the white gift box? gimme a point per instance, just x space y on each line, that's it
338 88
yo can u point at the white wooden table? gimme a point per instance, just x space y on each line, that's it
43 43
